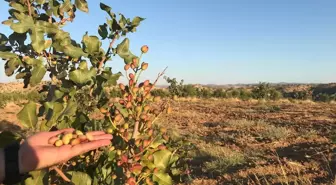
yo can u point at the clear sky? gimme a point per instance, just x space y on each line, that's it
225 41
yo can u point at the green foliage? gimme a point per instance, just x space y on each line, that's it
160 92
175 88
323 97
265 91
19 96
300 95
77 94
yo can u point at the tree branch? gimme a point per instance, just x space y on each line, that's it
157 79
60 173
29 7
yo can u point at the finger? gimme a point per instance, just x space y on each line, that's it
85 147
95 133
103 137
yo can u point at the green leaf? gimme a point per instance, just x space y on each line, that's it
18 7
110 77
82 75
44 127
25 23
18 37
54 7
122 21
27 115
92 44
40 2
32 61
82 5
46 27
37 38
53 114
124 52
65 7
157 142
162 178
37 178
136 21
148 164
3 39
102 30
162 158
105 7
8 22
7 138
7 55
73 51
80 178
20 75
11 65
70 110
37 75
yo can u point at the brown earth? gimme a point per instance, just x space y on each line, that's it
279 142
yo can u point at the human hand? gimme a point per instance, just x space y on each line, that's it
36 153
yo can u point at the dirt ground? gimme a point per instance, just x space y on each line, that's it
281 142
249 142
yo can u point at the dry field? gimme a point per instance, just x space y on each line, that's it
258 142
248 142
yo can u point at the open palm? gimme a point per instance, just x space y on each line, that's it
36 153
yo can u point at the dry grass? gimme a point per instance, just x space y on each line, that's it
258 142
252 142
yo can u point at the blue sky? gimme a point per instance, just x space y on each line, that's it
225 41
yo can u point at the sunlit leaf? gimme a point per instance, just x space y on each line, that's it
82 75
80 178
73 51
37 75
92 44
18 7
40 2
25 23
65 7
11 65
46 27
7 55
124 52
27 115
136 21
37 178
162 178
162 158
37 38
82 5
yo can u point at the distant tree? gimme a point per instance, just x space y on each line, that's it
175 87
219 93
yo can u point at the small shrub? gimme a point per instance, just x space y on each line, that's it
204 93
189 91
160 92
220 158
274 133
219 93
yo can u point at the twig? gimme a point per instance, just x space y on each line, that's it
103 60
61 173
157 79
135 131
29 7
